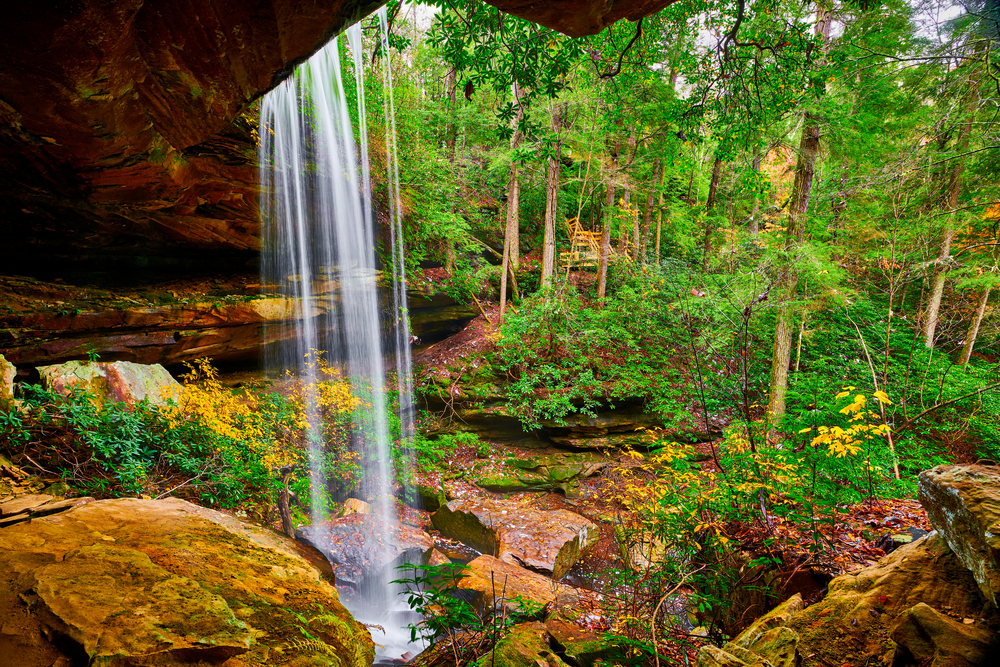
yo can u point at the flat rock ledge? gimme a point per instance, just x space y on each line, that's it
124 583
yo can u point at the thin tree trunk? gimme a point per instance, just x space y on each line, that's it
624 230
514 190
970 338
511 240
647 218
805 169
552 202
713 189
659 212
609 202
932 315
713 186
754 219
451 140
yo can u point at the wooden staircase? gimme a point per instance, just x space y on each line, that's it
585 247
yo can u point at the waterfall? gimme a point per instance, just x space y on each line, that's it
320 249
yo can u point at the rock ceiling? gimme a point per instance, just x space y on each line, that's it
121 140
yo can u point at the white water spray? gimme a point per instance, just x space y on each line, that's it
319 247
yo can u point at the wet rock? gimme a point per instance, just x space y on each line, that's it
580 17
428 498
7 374
355 506
493 582
120 381
133 607
440 320
361 551
137 582
578 646
963 504
544 541
925 636
526 645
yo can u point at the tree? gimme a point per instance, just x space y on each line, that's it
805 169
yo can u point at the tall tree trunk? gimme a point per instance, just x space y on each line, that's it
659 213
623 226
647 218
511 243
609 202
932 314
632 217
713 190
713 186
754 216
451 140
970 338
552 201
805 169
514 189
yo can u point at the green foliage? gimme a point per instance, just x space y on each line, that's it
432 452
433 592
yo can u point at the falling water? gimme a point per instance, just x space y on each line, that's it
319 247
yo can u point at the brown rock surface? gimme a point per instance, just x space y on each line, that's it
580 17
361 551
928 637
121 135
165 581
549 541
7 374
119 381
852 624
963 504
493 580
115 120
166 334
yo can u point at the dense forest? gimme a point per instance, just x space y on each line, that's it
769 207
723 280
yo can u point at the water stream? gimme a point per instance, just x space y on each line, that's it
320 247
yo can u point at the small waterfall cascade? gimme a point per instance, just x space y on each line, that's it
320 242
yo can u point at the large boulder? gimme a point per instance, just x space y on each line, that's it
868 615
493 582
963 504
120 381
925 636
137 582
548 541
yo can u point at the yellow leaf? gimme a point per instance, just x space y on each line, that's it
805 430
882 397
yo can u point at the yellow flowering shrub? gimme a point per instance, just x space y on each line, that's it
863 426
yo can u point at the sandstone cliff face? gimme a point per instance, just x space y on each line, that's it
121 137
116 132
